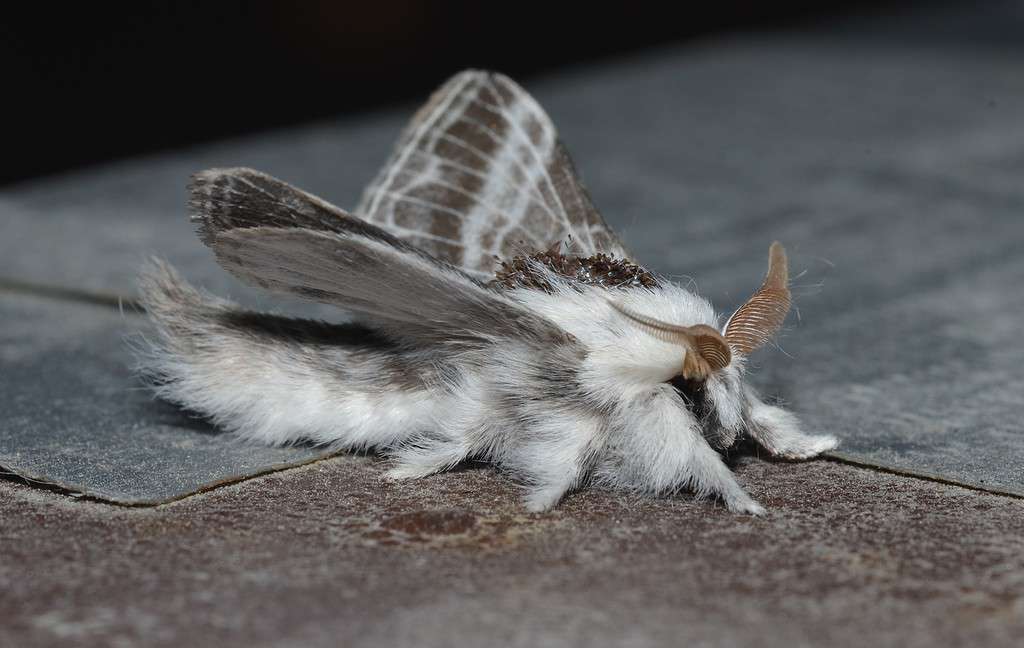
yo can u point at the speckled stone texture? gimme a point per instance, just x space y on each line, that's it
325 555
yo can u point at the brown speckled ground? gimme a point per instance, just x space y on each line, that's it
328 554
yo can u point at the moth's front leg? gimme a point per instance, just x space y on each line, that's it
778 432
659 448
551 455
555 453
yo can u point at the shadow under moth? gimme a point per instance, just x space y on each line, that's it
497 317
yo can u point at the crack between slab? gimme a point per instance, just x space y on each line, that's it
924 476
22 477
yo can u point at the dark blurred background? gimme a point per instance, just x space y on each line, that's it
88 82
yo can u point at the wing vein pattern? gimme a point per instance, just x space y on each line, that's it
479 175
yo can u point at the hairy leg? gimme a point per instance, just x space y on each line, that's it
426 456
658 447
549 449
778 432
560 450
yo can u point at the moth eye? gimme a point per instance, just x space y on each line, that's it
694 394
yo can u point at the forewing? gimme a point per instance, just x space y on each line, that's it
480 173
394 284
225 199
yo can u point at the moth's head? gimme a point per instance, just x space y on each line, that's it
707 354
705 350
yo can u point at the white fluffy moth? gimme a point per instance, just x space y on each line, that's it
496 317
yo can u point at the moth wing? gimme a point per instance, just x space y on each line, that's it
273 235
386 280
225 199
480 172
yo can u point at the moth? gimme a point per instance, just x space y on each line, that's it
497 317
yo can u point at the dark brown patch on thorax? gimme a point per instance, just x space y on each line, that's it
597 270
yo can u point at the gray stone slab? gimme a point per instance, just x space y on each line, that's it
892 172
74 415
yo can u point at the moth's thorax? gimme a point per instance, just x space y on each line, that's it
599 270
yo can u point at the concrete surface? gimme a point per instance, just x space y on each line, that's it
325 555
